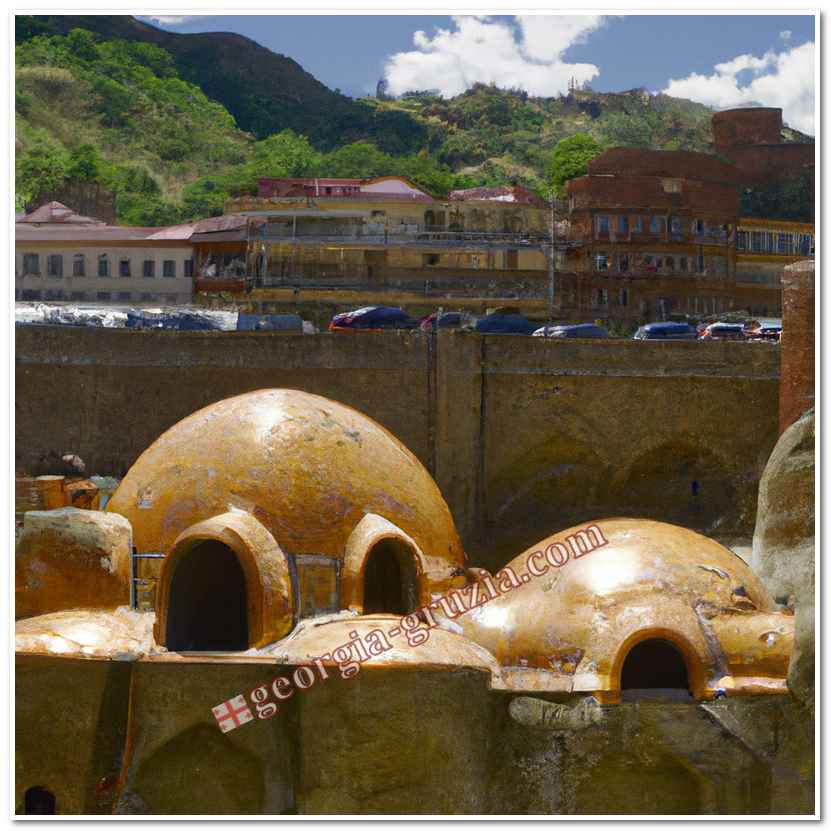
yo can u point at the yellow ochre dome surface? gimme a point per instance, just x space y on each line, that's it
306 467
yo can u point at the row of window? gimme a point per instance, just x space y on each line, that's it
54 266
624 224
118 296
775 242
601 297
650 263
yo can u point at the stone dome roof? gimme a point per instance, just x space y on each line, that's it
308 468
629 580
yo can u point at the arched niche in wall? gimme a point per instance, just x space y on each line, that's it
382 567
260 573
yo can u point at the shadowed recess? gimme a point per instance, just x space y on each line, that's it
208 603
390 583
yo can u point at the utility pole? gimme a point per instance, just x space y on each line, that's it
551 265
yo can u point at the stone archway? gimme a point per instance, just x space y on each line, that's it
390 578
382 566
207 602
201 771
654 664
554 485
680 481
269 600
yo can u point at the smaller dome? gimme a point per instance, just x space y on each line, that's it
573 606
442 648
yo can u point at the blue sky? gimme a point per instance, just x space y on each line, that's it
720 60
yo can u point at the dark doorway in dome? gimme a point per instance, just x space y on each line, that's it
657 666
39 800
390 581
207 606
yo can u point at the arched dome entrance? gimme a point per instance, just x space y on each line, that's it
224 586
654 664
39 800
207 607
390 579
383 570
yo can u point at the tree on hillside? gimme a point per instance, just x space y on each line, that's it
571 158
624 130
84 164
284 154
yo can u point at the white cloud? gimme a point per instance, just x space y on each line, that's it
778 79
480 49
169 19
785 34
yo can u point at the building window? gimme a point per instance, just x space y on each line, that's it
623 263
148 297
31 264
623 224
169 268
782 244
125 295
602 261
103 295
149 268
637 224
669 262
623 297
103 266
806 246
699 227
700 263
79 266
431 259
675 224
756 242
77 295
188 268
682 263
54 265
602 225
602 297
124 268
656 224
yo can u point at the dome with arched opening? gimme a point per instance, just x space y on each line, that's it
630 603
303 504
306 467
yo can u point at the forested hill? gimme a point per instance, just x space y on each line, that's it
175 124
264 92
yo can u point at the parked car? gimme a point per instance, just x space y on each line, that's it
447 320
765 330
722 331
665 331
372 318
576 330
505 323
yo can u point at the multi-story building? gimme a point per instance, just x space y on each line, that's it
388 232
658 233
60 255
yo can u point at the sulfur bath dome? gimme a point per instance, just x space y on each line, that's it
588 596
307 468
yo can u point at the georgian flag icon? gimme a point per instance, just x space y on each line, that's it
232 714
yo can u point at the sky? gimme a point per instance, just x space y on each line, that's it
718 60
